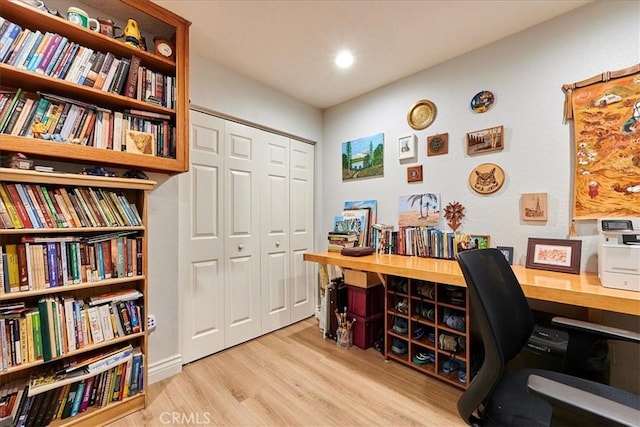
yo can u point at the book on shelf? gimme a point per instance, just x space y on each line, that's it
42 380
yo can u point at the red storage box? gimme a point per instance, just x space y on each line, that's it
365 302
365 329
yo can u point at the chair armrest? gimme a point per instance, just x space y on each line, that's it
607 332
580 401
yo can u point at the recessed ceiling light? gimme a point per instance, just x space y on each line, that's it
344 59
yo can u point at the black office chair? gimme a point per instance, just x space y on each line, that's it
527 397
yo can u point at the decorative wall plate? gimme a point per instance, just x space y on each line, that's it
486 178
438 144
482 101
422 114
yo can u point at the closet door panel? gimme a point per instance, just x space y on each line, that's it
201 241
242 233
303 293
276 263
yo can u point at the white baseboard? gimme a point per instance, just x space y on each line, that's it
165 368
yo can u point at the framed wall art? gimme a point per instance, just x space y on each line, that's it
414 173
438 144
507 251
562 255
533 207
363 157
407 147
605 110
419 210
485 140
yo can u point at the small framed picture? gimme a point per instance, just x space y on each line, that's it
562 255
481 141
414 173
533 207
507 251
464 242
438 144
407 147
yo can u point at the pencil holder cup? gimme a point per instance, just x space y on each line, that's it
344 337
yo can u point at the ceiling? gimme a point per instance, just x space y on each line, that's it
289 45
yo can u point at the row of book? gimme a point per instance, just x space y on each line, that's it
424 242
49 396
61 119
59 325
41 262
56 56
24 205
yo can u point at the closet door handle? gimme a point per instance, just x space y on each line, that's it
277 243
240 246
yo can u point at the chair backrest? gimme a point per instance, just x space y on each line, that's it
502 315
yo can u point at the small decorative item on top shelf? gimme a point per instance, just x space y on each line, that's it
135 174
414 173
132 34
486 178
163 47
562 255
437 144
454 214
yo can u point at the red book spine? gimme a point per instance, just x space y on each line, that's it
22 212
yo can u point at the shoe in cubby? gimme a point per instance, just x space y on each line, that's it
399 346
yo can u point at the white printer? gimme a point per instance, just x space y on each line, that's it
619 253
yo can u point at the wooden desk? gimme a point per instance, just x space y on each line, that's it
583 290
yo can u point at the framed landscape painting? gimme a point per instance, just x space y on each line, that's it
481 141
562 255
363 157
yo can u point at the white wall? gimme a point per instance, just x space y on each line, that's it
525 72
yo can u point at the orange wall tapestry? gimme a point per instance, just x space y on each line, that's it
606 131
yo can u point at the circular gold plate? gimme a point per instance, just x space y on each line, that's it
486 178
422 114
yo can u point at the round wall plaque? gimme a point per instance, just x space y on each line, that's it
422 114
482 101
486 178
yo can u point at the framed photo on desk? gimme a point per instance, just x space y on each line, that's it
561 255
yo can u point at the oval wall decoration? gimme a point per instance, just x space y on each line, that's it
486 178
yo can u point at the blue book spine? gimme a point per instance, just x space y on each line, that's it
5 272
133 315
30 50
77 399
11 34
29 207
135 373
100 260
52 256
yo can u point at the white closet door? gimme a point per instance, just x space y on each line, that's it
242 233
201 241
275 260
303 284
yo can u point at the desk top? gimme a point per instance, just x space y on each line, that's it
582 290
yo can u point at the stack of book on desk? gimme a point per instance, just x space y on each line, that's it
340 240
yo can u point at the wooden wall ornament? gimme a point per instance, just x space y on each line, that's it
486 178
414 173
438 144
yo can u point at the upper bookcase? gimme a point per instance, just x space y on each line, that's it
153 21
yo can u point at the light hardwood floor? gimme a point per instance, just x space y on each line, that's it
295 377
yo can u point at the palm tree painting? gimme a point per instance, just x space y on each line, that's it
419 210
